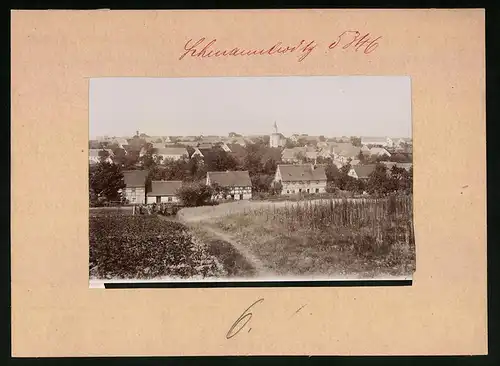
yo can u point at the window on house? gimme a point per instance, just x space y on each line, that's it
132 190
158 199
241 196
317 190
307 190
288 191
169 199
232 196
300 190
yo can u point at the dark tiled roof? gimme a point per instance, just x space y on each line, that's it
135 178
364 171
171 151
237 151
301 172
230 178
390 165
164 187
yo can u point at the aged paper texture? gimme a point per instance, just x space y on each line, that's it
54 313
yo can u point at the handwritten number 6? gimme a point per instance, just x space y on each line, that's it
245 316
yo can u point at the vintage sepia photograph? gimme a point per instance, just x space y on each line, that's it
250 179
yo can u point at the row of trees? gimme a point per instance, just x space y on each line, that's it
380 182
106 179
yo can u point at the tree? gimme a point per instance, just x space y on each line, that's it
105 182
361 157
332 172
356 141
261 182
234 134
322 138
301 157
401 179
270 166
253 159
223 161
400 158
195 194
340 179
379 182
290 144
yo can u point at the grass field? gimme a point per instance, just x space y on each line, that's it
327 238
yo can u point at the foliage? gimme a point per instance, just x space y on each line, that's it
145 247
261 182
331 171
378 182
356 141
195 194
105 182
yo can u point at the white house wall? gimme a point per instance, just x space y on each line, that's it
296 187
163 199
135 195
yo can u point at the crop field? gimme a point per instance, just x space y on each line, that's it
365 238
144 247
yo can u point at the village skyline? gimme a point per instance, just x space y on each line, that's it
328 106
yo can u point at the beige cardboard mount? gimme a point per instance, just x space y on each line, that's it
54 313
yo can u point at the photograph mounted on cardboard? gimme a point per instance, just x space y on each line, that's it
250 179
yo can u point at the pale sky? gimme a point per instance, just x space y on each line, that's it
330 106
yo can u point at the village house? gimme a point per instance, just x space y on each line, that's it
296 154
345 151
171 153
135 186
389 165
205 145
379 151
361 171
210 139
163 191
224 147
121 142
237 183
377 141
98 155
300 178
235 140
183 143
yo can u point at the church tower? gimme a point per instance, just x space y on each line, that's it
275 138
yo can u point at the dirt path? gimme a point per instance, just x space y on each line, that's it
256 263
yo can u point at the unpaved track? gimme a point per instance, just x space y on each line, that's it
259 267
256 263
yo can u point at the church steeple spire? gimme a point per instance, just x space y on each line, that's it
275 127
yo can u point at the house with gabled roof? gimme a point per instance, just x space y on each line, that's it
361 171
379 151
163 191
237 183
345 151
171 153
135 186
389 165
300 178
377 141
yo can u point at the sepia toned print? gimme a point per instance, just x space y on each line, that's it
230 179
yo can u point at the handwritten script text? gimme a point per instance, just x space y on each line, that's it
350 39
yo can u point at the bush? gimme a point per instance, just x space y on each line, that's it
195 194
